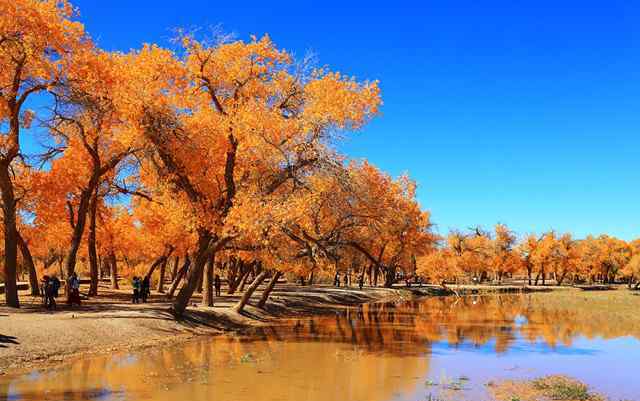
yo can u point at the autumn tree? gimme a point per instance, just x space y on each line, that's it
37 42
230 125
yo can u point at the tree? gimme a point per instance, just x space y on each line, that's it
245 123
37 42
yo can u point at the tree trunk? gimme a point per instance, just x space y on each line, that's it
239 307
243 283
163 268
174 271
207 295
10 236
562 276
200 281
114 270
28 260
389 277
91 243
267 291
181 273
240 283
162 260
376 272
76 238
200 259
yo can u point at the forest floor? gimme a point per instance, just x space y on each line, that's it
33 338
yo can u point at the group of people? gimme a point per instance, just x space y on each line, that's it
51 288
347 279
141 289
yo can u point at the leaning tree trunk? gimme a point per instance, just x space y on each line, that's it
245 278
207 294
113 263
28 260
193 276
162 260
163 268
236 276
174 271
267 291
239 307
91 243
179 276
10 236
238 284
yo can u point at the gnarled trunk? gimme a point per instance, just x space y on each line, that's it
239 307
267 291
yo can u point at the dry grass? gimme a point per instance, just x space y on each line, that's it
548 388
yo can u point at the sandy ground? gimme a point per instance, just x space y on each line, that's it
34 338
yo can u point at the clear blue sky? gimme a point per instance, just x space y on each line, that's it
526 113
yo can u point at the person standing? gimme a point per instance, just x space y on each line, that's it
74 285
217 284
135 284
145 289
47 291
336 280
56 285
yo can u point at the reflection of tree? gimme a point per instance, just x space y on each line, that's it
355 349
410 327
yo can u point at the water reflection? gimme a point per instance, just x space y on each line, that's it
377 352
409 328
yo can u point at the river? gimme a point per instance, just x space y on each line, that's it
443 347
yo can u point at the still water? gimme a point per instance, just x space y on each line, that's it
378 352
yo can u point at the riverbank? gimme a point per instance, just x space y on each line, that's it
33 338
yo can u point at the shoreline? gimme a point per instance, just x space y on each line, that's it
33 339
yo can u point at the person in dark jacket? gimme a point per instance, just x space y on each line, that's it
135 284
145 289
217 284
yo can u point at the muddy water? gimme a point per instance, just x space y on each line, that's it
443 347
